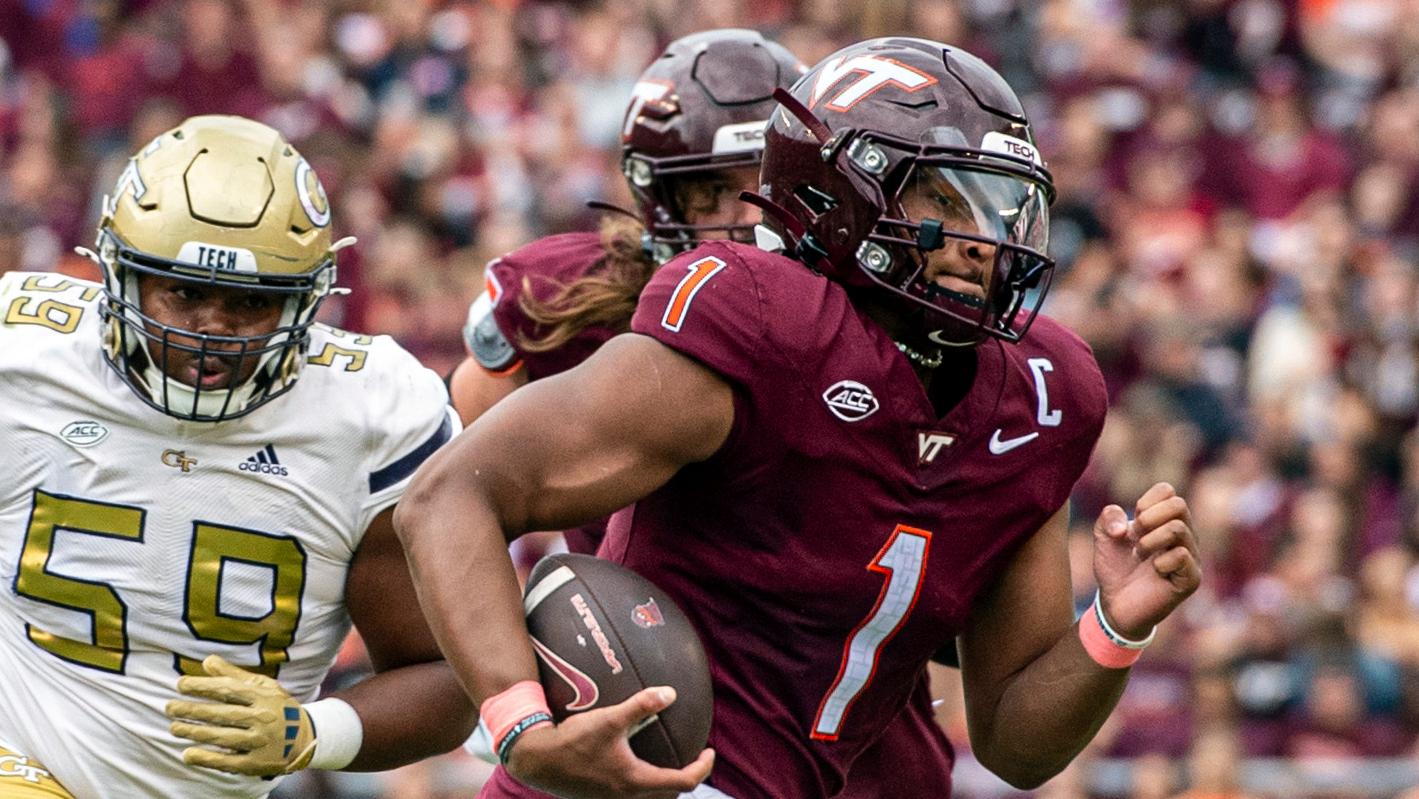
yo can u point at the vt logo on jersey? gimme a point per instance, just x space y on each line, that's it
265 462
929 444
850 401
876 73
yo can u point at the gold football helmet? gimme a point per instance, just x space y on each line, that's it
218 201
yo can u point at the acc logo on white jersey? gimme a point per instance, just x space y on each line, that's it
84 433
876 73
850 400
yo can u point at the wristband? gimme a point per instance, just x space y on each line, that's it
1104 644
339 733
535 720
511 713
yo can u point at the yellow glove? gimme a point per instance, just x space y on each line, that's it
252 726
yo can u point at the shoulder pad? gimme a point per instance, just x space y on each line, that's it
484 339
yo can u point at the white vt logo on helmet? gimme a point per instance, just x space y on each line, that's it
876 73
850 400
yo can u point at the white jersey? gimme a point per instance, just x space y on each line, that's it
133 544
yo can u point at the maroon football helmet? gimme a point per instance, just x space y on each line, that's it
890 118
700 107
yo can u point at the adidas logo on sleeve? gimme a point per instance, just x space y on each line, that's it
264 462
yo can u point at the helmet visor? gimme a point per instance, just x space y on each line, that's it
988 204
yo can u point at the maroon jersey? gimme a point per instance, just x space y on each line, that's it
498 327
840 535
911 759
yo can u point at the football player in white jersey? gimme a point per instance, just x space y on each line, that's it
199 490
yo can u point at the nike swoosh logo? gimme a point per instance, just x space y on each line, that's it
1000 447
584 690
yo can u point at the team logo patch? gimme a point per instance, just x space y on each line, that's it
20 766
84 433
874 72
312 195
648 615
128 180
929 444
850 400
177 459
657 94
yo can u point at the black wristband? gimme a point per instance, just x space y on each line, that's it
505 746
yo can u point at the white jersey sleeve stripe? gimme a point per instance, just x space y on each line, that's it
405 466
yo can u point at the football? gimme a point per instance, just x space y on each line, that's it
602 633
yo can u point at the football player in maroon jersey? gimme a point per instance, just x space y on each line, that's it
693 139
691 142
846 447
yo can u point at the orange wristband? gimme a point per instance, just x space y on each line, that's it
513 712
1104 644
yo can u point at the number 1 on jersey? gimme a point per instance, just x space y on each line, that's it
903 561
700 272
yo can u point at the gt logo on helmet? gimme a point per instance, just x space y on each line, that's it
312 195
877 72
128 180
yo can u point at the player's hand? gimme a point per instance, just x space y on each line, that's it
251 725
588 756
1145 567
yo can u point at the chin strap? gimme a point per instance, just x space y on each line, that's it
602 205
801 245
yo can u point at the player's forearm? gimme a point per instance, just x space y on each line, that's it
1046 714
394 709
467 587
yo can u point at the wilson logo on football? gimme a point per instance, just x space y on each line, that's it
598 635
850 400
647 615
875 73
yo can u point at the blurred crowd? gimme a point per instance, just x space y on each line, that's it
1237 232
